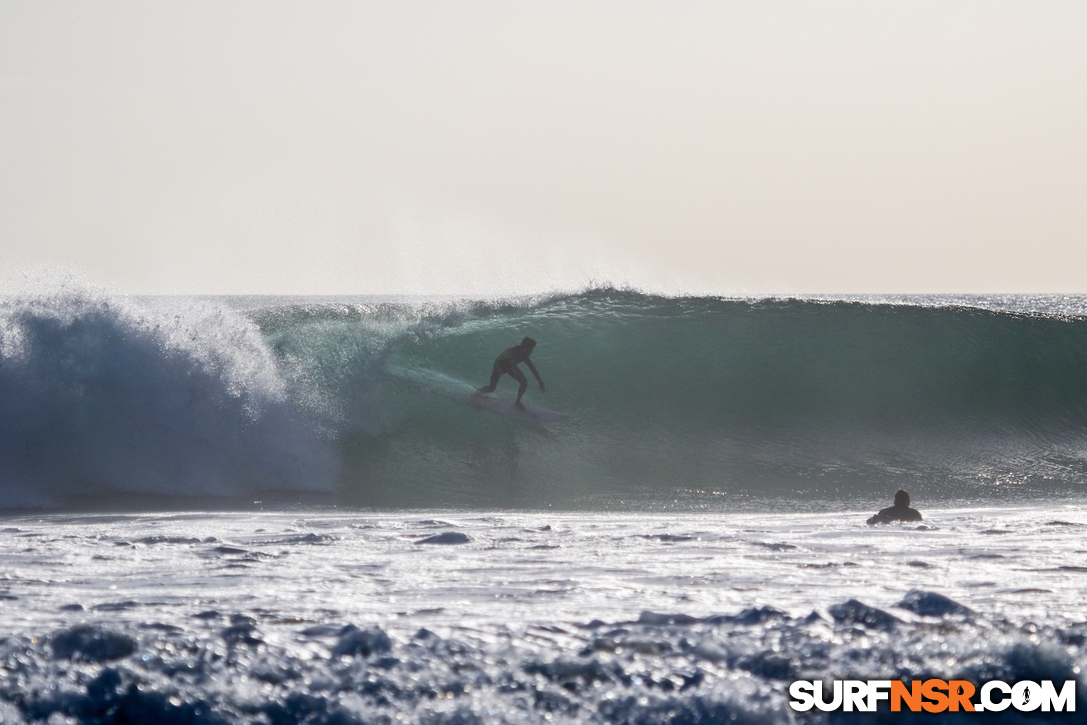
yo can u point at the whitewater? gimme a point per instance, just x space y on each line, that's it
243 509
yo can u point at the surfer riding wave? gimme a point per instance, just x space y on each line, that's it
506 364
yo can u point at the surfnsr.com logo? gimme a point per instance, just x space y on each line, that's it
933 696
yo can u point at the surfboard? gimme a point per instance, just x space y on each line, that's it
508 408
466 393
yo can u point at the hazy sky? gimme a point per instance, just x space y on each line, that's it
495 147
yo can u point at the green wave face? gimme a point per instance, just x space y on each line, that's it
694 401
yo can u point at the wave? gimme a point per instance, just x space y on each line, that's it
701 400
687 401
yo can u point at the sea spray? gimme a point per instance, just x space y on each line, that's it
104 396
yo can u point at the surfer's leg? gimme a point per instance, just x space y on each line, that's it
522 383
496 373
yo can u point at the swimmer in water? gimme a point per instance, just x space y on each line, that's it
506 364
901 511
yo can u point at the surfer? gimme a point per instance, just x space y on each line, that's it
901 511
507 363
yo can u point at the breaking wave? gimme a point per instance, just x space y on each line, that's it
671 401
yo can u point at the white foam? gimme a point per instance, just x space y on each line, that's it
105 395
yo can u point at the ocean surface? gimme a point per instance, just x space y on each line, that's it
279 510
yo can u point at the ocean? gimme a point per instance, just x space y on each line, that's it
241 510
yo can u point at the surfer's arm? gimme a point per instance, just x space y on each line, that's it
533 369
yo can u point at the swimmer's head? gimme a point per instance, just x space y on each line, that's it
902 499
528 343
